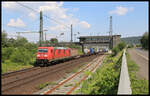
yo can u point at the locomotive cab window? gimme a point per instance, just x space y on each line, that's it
43 50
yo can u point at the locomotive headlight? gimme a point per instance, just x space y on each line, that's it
45 55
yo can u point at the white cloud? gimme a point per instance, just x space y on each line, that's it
57 12
60 3
51 9
46 8
121 10
58 28
32 15
66 23
18 23
85 24
54 9
8 4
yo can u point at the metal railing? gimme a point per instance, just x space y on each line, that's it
124 82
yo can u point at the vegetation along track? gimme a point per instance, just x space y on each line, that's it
14 83
63 90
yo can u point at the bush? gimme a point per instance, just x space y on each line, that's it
145 41
21 41
6 53
118 48
138 45
21 55
106 78
130 46
115 51
17 53
121 45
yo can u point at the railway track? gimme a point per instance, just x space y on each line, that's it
68 90
9 74
12 81
15 75
93 69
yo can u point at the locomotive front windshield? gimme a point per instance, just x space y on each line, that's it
43 50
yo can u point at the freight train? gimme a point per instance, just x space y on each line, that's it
90 51
47 55
95 50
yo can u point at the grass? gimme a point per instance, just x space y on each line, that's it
106 78
76 69
80 52
87 72
138 85
10 66
43 85
68 85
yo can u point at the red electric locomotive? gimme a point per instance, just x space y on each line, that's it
45 55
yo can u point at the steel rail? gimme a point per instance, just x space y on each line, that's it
73 88
66 80
38 76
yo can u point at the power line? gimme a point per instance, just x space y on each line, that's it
56 21
43 14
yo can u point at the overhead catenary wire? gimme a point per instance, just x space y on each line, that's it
43 14
37 11
15 27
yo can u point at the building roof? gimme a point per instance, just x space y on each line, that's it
96 36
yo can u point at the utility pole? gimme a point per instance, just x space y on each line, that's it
71 33
45 36
41 28
40 31
110 31
75 37
45 33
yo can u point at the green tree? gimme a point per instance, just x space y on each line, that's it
130 46
11 42
4 38
118 48
6 53
21 56
21 41
54 40
115 51
145 40
121 45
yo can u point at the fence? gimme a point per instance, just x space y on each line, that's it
124 82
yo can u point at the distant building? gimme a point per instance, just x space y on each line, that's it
106 42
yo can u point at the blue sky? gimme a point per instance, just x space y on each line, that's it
88 18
